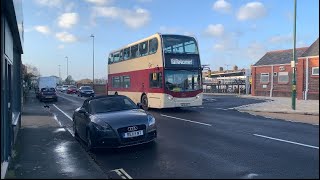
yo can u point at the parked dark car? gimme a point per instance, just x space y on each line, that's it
113 121
72 90
47 94
86 91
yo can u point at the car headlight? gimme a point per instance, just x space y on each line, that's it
151 120
170 97
105 128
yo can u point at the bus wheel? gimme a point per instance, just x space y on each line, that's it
116 93
144 102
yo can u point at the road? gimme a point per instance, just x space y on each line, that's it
212 141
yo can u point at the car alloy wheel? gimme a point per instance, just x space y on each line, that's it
144 101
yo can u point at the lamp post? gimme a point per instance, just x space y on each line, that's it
92 60
293 62
67 66
59 73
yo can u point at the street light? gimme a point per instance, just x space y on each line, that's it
67 66
59 73
92 60
293 62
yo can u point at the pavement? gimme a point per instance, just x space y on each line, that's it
278 105
45 149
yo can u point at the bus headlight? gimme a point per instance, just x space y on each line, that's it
198 96
170 97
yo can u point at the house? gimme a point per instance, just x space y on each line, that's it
272 74
11 77
308 73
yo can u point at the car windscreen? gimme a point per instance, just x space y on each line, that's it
110 104
48 90
86 88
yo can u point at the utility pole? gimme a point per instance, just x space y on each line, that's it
92 61
293 62
67 66
59 73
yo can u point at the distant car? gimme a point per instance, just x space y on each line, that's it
86 91
65 88
46 94
59 88
113 121
72 90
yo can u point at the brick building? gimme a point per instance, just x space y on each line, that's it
272 74
308 73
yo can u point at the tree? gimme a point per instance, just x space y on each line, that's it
30 72
69 80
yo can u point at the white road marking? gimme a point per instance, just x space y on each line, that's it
222 109
55 118
185 120
122 173
251 176
125 173
76 102
291 142
63 112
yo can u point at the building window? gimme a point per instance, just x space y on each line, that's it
283 77
264 77
155 80
315 71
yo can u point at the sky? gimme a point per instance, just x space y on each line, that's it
229 32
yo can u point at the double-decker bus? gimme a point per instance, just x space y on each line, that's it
160 71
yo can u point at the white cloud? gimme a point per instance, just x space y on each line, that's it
222 6
61 46
168 30
252 10
70 6
49 3
132 18
279 39
100 2
255 51
66 37
42 29
67 20
215 30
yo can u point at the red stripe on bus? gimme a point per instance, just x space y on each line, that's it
139 82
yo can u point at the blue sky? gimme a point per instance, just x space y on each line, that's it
229 32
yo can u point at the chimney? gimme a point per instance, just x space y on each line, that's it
220 69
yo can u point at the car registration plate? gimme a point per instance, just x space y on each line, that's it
185 104
49 97
133 134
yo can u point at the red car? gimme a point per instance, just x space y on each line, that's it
72 90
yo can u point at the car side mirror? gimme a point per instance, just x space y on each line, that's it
140 105
82 110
